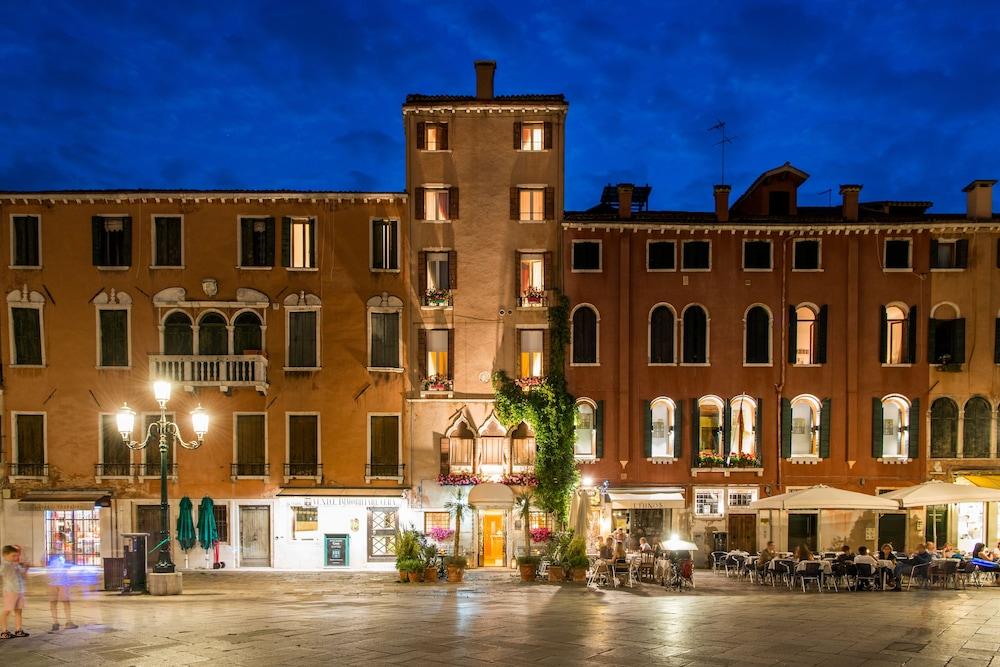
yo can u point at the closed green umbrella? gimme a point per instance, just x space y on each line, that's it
208 534
185 525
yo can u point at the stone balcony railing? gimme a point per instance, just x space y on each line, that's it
222 371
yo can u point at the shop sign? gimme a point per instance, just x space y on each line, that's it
378 501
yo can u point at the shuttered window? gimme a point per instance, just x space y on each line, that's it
27 323
30 443
585 335
178 336
976 428
298 243
114 337
114 453
111 238
167 241
661 336
26 249
385 245
758 336
944 428
384 340
213 336
303 441
247 333
384 444
257 242
302 339
950 254
695 336
250 456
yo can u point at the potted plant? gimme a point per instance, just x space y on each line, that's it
437 297
430 566
556 552
534 295
413 567
575 558
528 565
407 551
457 506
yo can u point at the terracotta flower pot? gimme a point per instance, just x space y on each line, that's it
414 577
402 577
455 574
556 573
528 572
579 574
430 575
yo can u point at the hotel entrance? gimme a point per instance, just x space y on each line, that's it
493 548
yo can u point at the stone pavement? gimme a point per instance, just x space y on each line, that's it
275 618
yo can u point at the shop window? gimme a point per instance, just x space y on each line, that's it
757 336
976 428
757 255
256 242
662 324
436 520
73 535
111 241
696 255
26 242
944 428
585 335
708 502
661 255
305 523
695 327
168 242
806 255
586 256
897 255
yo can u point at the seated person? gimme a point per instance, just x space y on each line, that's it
619 554
865 558
803 553
644 545
921 557
845 555
607 549
767 554
886 553
947 551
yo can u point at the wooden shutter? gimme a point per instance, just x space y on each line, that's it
821 323
418 203
883 335
958 341
792 334
302 339
114 337
824 429
876 428
517 136
518 288
422 276
515 204
452 270
931 340
385 441
126 257
599 430
443 136
517 352
250 439
421 135
302 440
758 428
962 253
269 242
246 242
546 348
286 241
911 335
422 352
679 430
547 270
377 254
393 244
695 431
550 203
453 203
727 428
996 341
913 442
786 428
451 354
547 135
998 253
27 336
31 439
445 465
312 243
647 428
97 240
934 254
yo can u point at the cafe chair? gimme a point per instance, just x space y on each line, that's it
719 561
921 573
943 572
812 572
647 565
867 574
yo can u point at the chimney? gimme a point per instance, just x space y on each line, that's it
722 202
625 200
849 208
484 79
979 199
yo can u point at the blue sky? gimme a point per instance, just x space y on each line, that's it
903 97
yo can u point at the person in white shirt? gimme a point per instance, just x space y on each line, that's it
865 557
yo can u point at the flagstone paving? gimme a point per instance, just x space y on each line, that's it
273 618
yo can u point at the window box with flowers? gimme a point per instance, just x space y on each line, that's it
533 297
437 383
529 383
460 479
744 460
710 462
437 298
519 479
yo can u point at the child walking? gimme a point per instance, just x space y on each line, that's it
14 586
59 588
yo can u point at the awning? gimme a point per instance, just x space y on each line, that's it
491 494
943 493
65 500
984 481
624 500
822 497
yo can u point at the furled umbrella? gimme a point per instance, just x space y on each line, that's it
581 512
185 528
208 534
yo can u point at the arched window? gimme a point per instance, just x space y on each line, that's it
805 335
661 335
946 335
757 336
895 426
213 337
805 426
585 445
710 425
695 335
895 340
178 337
663 411
743 436
944 429
584 335
976 428
246 333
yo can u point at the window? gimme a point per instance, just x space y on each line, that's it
532 136
743 430
256 242
757 335
26 241
213 335
779 202
26 336
710 426
586 255
896 335
893 425
438 274
305 523
661 256
585 335
111 238
976 429
150 456
251 445
946 336
29 454
531 353
807 335
436 204
696 255
385 245
949 254
757 255
708 502
532 281
75 535
432 136
221 513
383 524
167 242
944 429
661 335
806 255
247 334
298 243
662 416
113 337
532 204
695 335
434 520
178 335
806 413
384 446
303 446
303 336
114 456
741 498
384 340
438 345
897 255
584 425
540 520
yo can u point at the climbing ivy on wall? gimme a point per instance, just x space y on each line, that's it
548 409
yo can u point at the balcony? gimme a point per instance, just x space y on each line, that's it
304 471
153 470
384 471
39 470
112 470
533 298
222 371
237 470
437 298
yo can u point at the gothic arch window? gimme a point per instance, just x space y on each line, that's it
247 333
178 334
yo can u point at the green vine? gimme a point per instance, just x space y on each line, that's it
549 410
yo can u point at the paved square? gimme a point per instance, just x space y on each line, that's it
270 618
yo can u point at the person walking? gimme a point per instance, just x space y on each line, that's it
12 572
59 591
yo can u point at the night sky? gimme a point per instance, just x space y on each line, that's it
903 97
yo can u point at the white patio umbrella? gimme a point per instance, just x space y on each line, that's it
580 512
936 492
822 497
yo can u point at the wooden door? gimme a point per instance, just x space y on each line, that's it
743 532
255 536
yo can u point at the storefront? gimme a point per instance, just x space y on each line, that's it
66 523
642 513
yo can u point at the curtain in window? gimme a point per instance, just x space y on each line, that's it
302 339
178 337
246 333
944 428
384 244
385 340
114 337
661 336
213 337
30 439
302 440
584 336
385 442
250 442
27 336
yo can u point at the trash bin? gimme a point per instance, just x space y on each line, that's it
114 573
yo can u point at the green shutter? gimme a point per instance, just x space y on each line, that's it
727 428
126 256
31 439
695 431
934 254
97 240
758 429
958 341
302 339
286 241
824 429
647 429
876 428
819 356
962 253
246 242
312 243
786 428
269 242
599 430
27 336
385 441
931 340
679 430
250 439
302 439
911 335
883 335
913 449
792 333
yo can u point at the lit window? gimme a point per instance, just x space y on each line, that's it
532 274
436 136
662 436
710 426
584 428
744 426
805 330
742 497
436 520
305 523
302 235
895 340
437 352
805 426
708 502
436 204
532 203
531 353
532 136
385 245
895 426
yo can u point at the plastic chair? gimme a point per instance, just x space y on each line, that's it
865 573
718 561
813 571
943 572
919 572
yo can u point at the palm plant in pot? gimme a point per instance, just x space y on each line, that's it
458 506
429 555
575 559
556 552
527 563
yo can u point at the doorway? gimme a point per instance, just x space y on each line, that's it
494 546
743 532
802 530
892 530
936 526
255 536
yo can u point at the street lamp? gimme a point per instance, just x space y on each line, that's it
162 431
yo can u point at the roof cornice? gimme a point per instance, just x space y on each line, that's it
961 225
208 196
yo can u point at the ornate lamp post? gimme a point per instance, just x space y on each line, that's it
163 432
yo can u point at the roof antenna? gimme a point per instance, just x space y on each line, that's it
829 196
721 126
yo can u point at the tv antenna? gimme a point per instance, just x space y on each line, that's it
829 196
721 127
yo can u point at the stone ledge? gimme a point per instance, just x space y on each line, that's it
166 583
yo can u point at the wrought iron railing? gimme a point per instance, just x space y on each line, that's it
29 469
250 470
113 469
303 470
384 470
